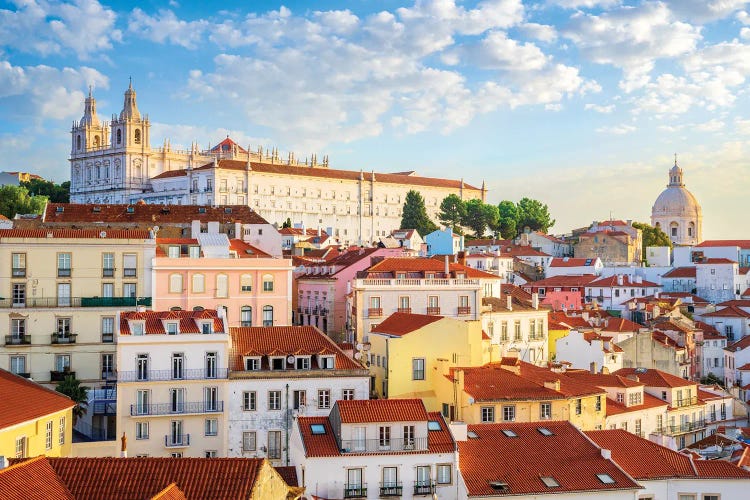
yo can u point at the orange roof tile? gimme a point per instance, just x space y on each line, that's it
681 272
627 281
421 265
715 260
399 324
572 262
655 378
148 213
154 321
246 250
24 400
720 469
649 401
728 312
110 234
382 410
621 325
745 244
32 480
171 492
520 462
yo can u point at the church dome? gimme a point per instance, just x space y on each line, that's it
677 212
678 201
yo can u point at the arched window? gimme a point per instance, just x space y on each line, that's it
96 141
199 283
78 143
673 228
175 283
691 229
198 308
222 285
267 315
137 136
175 308
246 316
268 282
119 136
246 283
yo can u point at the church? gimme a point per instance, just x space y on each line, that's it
113 162
677 212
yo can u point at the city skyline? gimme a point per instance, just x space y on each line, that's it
578 103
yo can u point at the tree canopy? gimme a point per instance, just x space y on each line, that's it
533 214
452 212
415 214
57 193
480 216
652 237
16 200
508 220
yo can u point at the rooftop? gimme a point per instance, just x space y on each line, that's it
110 234
155 321
24 400
148 213
655 378
381 410
399 324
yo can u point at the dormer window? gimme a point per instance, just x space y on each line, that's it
194 252
172 329
327 362
252 364
137 328
303 363
173 252
400 276
278 363
207 327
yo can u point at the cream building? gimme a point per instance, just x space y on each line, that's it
677 212
113 162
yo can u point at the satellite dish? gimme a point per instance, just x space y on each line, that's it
103 234
360 346
357 355
290 359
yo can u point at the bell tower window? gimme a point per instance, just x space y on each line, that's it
96 141
119 136
78 142
137 136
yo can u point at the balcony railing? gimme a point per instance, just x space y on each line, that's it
686 401
18 272
685 427
355 490
108 272
464 310
424 488
190 374
115 301
406 310
53 302
391 489
129 272
63 272
57 376
108 338
177 408
17 339
433 310
415 282
64 338
376 445
176 440
374 312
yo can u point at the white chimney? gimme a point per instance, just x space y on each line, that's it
238 230
606 454
535 300
318 231
447 267
509 302
619 279
195 228
459 430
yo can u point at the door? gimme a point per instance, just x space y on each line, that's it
177 400
177 366
142 367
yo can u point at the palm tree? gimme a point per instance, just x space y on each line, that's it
71 387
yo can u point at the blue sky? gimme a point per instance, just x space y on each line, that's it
579 103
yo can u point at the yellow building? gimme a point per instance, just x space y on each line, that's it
516 391
410 353
33 420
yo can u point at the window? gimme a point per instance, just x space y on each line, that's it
384 436
324 399
252 364
108 365
274 444
417 369
63 294
488 414
545 411
390 480
199 283
248 441
504 331
177 400
129 290
550 482
638 426
21 447
302 363
246 283
141 430
209 454
299 399
409 435
172 329
317 429
711 497
222 285
274 400
173 251
578 406
249 401
509 413
444 473
141 367
211 398
268 283
18 365
211 427
61 431
63 265
18 265
347 394
17 330
48 436
129 265
62 362
517 331
598 405
267 315
178 365
137 136
404 304
605 478
327 362
19 294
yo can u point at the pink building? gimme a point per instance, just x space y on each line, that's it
211 271
322 287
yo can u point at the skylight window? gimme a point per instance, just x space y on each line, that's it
499 485
605 478
472 435
550 482
509 433
544 431
433 425
317 429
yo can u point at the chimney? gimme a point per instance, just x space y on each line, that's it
123 446
606 454
238 230
318 231
195 228
535 300
459 430
552 384
447 269
509 302
592 367
619 279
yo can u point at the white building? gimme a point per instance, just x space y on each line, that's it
551 245
374 449
677 212
494 263
613 291
279 374
679 279
588 350
718 280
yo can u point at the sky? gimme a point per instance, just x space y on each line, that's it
581 104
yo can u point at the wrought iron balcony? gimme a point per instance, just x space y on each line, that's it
64 338
686 401
108 338
464 310
129 272
177 408
355 490
115 301
433 310
382 446
374 312
17 340
108 272
63 272
57 376
406 310
685 427
424 488
190 374
54 302
391 489
18 272
177 440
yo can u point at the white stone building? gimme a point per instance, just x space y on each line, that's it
677 212
588 350
613 291
718 280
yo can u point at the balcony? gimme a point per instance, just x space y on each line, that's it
157 375
686 401
406 310
375 312
424 488
417 283
63 272
391 489
57 376
129 272
355 490
685 427
464 310
378 446
55 302
108 338
108 272
18 272
64 338
115 301
17 340
433 311
177 440
177 408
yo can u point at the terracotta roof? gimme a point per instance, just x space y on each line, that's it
655 378
298 231
627 281
170 173
603 379
745 244
728 312
735 302
649 401
288 474
739 345
139 478
246 250
2 217
671 325
355 411
520 462
339 263
681 272
399 324
110 234
154 321
284 341
715 260
25 400
621 325
720 469
228 145
563 281
148 213
32 479
329 173
569 321
422 265
572 262
683 296
171 492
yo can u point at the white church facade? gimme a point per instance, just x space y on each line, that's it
677 212
113 162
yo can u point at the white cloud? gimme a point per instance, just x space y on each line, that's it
617 129
541 32
743 17
166 27
497 51
742 126
600 108
703 11
588 4
713 125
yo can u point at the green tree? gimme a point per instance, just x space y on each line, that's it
712 379
71 387
415 214
16 200
57 193
533 214
507 223
452 212
480 216
287 223
652 237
